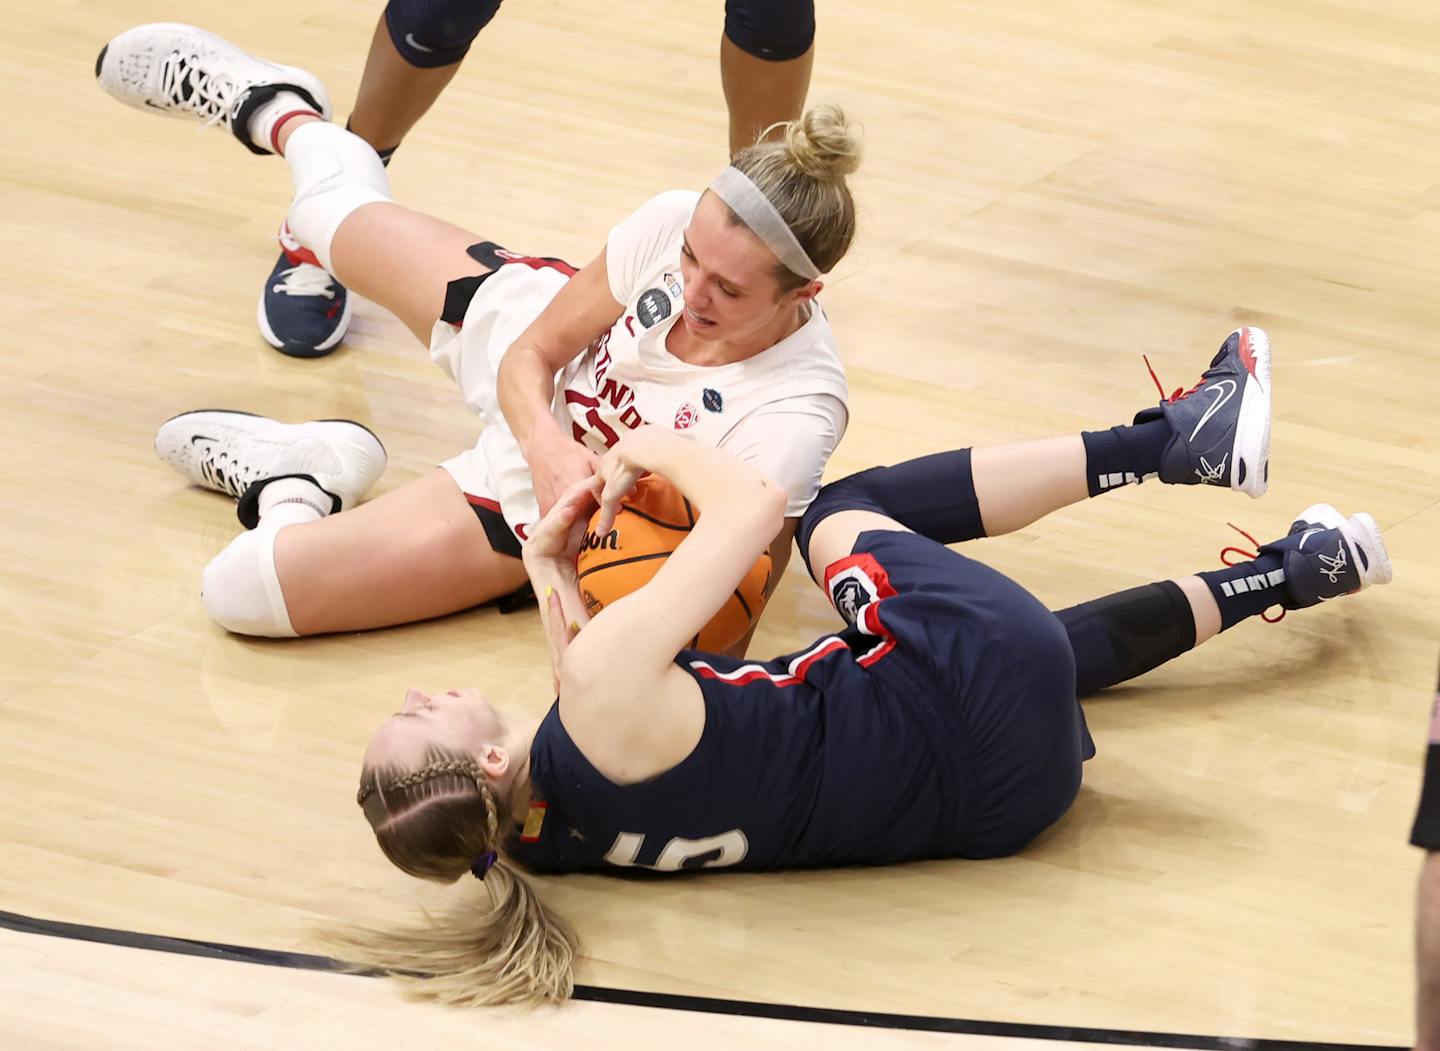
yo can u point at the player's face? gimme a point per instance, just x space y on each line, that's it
456 719
731 292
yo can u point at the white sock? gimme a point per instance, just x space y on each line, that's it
293 500
262 122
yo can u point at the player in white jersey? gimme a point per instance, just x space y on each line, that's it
700 314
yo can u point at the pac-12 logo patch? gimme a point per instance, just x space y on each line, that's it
712 401
673 283
685 417
652 307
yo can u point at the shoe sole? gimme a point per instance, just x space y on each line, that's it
293 350
292 74
1252 427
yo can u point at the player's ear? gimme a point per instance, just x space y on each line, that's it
806 292
494 761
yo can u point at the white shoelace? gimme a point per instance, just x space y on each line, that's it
305 280
212 96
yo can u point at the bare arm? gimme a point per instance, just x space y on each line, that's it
626 705
579 313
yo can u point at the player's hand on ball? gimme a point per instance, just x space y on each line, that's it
560 464
558 535
613 482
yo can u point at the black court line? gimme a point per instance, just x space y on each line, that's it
701 1004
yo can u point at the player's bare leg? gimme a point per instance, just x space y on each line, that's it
760 92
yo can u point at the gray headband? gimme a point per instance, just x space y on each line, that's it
754 209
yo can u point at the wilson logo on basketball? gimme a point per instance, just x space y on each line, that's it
595 542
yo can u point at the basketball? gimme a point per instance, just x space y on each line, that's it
650 524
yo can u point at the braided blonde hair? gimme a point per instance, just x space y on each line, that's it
502 945
802 170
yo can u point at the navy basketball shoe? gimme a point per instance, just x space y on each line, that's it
303 311
1222 424
1326 555
238 452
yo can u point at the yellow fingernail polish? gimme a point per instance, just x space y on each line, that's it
549 591
574 625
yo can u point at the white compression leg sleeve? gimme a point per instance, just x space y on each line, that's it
334 173
240 588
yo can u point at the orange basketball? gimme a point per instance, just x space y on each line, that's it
650 524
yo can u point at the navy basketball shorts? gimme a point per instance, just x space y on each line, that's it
1004 674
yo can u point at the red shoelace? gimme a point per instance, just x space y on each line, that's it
1180 393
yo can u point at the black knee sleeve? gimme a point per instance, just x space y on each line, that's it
1127 634
934 496
775 30
433 33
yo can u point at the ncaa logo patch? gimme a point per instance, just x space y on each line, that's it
652 307
685 417
712 401
673 283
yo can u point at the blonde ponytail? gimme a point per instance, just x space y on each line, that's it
502 944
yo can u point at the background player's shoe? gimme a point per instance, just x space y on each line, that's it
303 311
180 71
1326 555
1222 424
238 452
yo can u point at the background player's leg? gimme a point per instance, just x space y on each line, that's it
760 93
766 54
394 93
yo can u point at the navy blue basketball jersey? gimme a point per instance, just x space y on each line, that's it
804 760
942 722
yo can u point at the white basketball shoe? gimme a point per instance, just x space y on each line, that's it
179 71
238 453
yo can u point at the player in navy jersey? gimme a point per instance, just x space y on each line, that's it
941 721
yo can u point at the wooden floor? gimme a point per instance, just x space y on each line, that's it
1052 188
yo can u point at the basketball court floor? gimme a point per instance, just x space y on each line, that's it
1051 189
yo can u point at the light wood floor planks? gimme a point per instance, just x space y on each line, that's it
1051 189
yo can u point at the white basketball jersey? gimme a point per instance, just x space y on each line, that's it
627 377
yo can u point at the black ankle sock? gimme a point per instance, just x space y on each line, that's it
384 154
1123 455
1246 588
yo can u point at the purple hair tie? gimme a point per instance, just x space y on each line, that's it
481 865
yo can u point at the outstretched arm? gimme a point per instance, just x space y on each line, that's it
625 703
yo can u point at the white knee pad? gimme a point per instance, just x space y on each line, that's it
334 172
241 590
